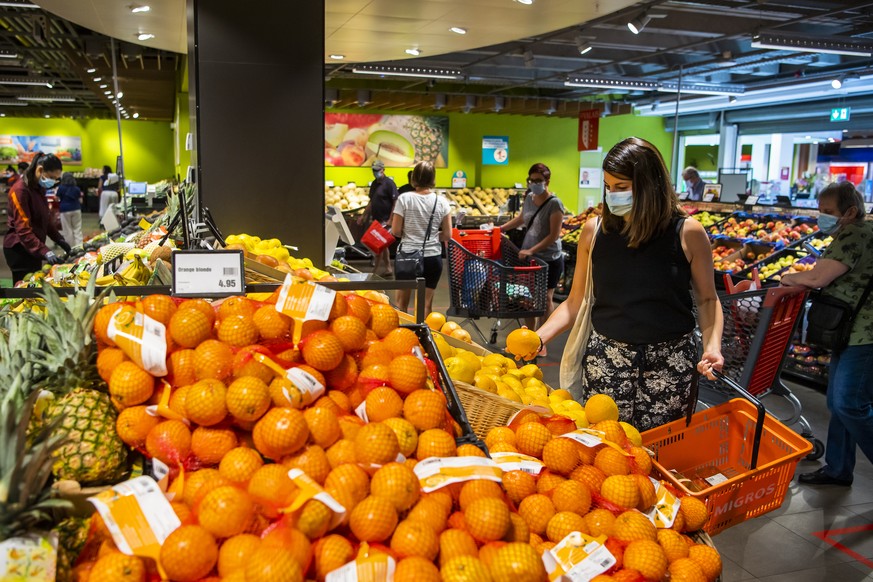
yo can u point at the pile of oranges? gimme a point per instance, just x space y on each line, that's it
248 446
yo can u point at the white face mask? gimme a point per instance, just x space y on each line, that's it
620 203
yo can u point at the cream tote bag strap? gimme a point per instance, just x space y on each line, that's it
574 351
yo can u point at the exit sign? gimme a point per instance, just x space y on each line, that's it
841 113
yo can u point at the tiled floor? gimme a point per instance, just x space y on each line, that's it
820 534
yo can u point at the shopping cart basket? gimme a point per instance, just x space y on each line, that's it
758 326
500 287
734 457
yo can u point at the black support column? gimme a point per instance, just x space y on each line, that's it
256 80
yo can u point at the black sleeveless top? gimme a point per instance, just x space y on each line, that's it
642 295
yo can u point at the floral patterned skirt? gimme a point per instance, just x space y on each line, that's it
651 383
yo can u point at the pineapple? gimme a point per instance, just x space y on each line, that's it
26 503
427 136
94 453
72 534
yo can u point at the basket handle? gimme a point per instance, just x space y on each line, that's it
759 423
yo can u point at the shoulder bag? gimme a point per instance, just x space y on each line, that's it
410 264
517 235
577 341
829 320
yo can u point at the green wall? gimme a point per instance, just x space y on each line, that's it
148 145
702 157
551 140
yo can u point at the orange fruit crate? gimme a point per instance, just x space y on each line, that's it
712 459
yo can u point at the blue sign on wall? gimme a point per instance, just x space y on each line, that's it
841 113
495 150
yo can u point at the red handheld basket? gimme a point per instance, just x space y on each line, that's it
377 238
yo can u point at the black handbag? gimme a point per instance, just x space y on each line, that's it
516 235
829 320
410 264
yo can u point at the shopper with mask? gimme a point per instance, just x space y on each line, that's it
383 195
29 220
647 259
843 272
694 184
542 214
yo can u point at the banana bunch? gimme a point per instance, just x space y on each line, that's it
131 273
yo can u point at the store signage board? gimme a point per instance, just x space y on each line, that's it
495 150
459 179
589 128
708 197
841 113
519 185
208 273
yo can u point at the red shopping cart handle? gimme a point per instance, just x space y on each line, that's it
531 268
759 423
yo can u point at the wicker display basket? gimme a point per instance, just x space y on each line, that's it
485 410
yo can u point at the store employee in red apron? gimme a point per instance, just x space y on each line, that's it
29 220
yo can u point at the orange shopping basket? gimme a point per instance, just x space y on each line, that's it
377 238
734 457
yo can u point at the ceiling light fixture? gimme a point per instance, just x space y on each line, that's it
34 81
458 30
392 71
636 25
139 8
50 85
337 57
10 103
413 51
135 115
702 88
811 44
583 45
439 101
470 103
525 2
107 92
46 98
364 98
145 36
611 83
837 83
499 103
8 55
47 115
552 108
2 115
13 4
731 100
103 86
91 70
98 79
119 95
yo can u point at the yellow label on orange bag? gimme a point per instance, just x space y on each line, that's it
141 338
138 516
302 301
592 438
436 472
578 558
310 489
518 462
298 386
367 567
666 507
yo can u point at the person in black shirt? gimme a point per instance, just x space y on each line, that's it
408 187
383 194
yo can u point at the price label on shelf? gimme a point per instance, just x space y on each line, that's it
708 197
208 273
751 200
683 196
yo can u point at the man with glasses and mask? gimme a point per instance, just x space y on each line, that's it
383 194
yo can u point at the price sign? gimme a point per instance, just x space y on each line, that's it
869 207
208 273
708 197
683 196
328 183
751 200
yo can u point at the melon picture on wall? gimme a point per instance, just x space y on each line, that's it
359 139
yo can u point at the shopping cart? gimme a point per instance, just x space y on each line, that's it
758 326
488 279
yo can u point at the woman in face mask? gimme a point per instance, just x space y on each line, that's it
646 262
29 219
843 272
541 214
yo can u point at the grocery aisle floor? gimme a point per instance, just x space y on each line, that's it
787 545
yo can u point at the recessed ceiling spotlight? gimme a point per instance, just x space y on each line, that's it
91 70
136 115
49 84
145 36
47 116
120 94
458 30
337 57
837 83
103 86
138 8
637 24
2 115
98 79
413 51
107 92
525 2
583 45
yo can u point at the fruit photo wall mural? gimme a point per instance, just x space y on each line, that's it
359 139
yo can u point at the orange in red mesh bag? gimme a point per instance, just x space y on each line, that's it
141 338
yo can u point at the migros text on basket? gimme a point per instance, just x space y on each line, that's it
740 501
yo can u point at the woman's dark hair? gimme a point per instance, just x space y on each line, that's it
22 166
539 168
67 179
654 199
107 170
847 197
48 163
423 175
